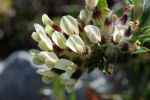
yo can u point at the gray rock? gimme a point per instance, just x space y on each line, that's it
18 78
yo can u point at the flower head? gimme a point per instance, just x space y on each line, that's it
88 42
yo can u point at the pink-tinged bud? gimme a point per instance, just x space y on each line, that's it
109 25
134 25
135 46
123 19
118 34
85 16
112 41
91 4
128 32
128 9
98 17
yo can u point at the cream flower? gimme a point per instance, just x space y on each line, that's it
45 43
69 25
48 75
66 65
35 36
46 20
50 58
118 34
49 30
76 44
93 33
59 39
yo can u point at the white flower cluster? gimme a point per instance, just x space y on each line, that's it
66 47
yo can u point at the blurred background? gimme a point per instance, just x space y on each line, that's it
18 78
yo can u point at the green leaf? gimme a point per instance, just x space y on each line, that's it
145 29
139 33
145 14
147 39
141 50
101 5
144 36
131 16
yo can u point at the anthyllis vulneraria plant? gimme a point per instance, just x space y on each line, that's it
91 41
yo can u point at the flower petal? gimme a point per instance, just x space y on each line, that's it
34 52
38 59
66 65
86 16
93 33
35 37
50 58
118 34
69 25
49 30
46 72
59 39
45 45
46 20
76 44
39 29
47 79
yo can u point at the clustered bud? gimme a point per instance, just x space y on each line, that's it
66 48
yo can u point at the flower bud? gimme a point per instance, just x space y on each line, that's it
117 37
134 25
46 72
50 58
118 34
46 45
128 9
108 24
135 46
93 33
66 65
98 18
34 52
49 30
46 20
39 29
69 25
59 39
76 44
47 79
86 16
38 59
35 37
91 4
